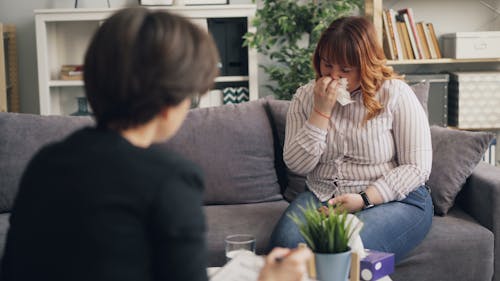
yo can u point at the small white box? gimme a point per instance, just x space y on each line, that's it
204 2
471 45
156 2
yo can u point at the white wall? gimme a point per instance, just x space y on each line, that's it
452 15
447 16
20 13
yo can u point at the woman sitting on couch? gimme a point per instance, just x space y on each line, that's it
368 151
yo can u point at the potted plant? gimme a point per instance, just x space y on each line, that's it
287 32
327 231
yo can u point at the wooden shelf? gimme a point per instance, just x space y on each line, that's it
63 34
79 83
232 79
65 83
440 61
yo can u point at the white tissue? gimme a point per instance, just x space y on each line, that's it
343 95
355 242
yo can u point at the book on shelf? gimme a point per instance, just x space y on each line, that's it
428 39
405 38
409 31
435 41
412 31
71 72
391 18
421 36
389 42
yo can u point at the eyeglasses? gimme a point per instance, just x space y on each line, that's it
195 100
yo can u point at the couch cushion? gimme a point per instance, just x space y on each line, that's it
293 183
455 154
234 146
446 253
21 136
421 90
256 219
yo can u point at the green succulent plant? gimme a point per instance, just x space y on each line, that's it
326 231
287 32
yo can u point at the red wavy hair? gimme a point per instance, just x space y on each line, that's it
352 41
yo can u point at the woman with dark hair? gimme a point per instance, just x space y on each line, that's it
371 154
102 204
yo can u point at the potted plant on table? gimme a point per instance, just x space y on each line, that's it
327 231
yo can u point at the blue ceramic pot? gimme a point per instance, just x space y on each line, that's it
333 267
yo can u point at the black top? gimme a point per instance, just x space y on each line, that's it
95 207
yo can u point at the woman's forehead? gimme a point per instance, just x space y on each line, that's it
337 56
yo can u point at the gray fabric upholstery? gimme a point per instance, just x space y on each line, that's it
234 146
256 219
455 154
456 248
237 147
21 135
421 90
480 197
294 183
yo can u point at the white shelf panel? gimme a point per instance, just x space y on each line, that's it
62 36
79 83
65 83
440 61
232 79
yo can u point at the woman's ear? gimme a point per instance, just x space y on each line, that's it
164 112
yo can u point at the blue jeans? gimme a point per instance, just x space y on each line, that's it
396 227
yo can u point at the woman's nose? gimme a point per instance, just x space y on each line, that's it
334 74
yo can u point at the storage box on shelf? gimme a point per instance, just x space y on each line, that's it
474 98
438 96
62 36
471 45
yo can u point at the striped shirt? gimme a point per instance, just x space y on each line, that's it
391 152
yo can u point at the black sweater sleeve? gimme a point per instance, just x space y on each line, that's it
179 250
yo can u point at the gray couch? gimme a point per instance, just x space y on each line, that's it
247 186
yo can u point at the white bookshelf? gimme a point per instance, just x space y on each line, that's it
478 17
62 36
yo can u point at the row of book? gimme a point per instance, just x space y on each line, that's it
406 39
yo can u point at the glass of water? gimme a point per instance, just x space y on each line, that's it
237 244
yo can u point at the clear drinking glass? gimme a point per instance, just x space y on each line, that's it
239 243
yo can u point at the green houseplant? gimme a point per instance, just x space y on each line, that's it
327 232
287 32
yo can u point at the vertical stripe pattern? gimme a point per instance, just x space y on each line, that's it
391 152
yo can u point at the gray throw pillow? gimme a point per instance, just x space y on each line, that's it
233 144
421 90
294 184
455 154
22 135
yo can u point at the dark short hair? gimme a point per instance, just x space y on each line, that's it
140 61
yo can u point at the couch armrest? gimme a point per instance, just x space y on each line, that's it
480 198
